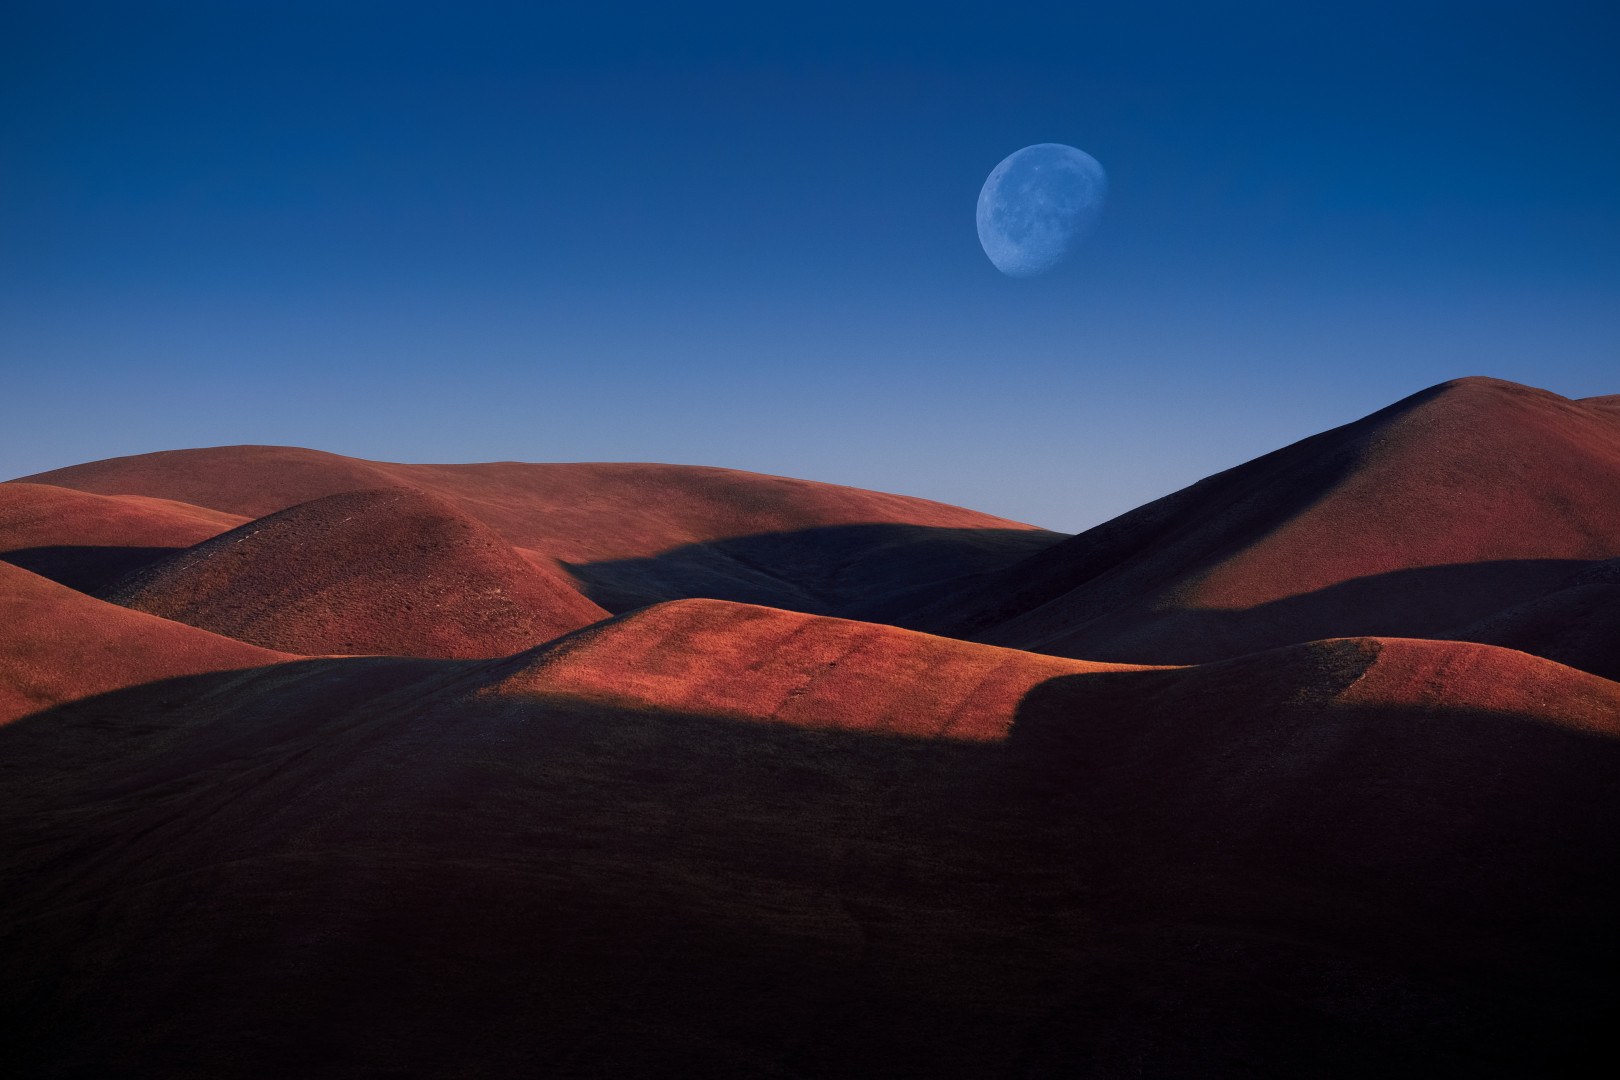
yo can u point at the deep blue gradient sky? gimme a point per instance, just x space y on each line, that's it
743 235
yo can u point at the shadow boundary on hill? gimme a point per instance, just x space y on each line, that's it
88 568
1436 602
874 572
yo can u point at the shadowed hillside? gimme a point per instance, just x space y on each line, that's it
88 541
634 533
692 842
58 645
1578 624
584 512
382 572
873 572
1308 770
1442 509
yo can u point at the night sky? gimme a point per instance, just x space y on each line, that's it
743 235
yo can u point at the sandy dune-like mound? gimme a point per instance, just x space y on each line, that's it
1444 508
388 571
1304 862
58 645
87 541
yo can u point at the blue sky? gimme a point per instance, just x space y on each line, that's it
743 235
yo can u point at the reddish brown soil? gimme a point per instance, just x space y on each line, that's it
391 572
632 534
1345 858
1285 817
86 541
1577 625
38 515
577 513
58 645
742 662
1458 502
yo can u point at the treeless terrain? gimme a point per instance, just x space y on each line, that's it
57 645
1578 625
392 572
87 541
765 855
1460 501
743 662
1307 770
633 534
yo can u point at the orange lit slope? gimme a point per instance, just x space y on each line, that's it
712 840
57 645
631 534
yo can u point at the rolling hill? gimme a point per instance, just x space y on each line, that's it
324 767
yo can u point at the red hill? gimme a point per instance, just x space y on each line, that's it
721 839
632 534
742 662
379 572
87 541
577 513
1451 505
1578 625
1345 858
59 645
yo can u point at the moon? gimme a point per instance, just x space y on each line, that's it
1037 205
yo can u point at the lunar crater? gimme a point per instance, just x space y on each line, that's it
1037 206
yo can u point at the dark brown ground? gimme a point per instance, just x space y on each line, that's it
1439 511
1349 836
534 866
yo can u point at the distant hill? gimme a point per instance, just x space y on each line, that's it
629 534
320 767
392 572
1460 501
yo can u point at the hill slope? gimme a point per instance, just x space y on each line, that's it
1460 501
713 840
381 572
87 541
59 645
630 534
578 513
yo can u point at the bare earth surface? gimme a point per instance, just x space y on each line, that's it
392 572
1308 770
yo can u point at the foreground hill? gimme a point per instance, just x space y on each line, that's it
1578 624
1445 508
392 572
1272 785
707 839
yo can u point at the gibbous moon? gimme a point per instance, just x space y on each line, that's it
1037 206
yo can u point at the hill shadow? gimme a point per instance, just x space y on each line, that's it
871 572
1274 851
87 568
1150 878
1424 602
